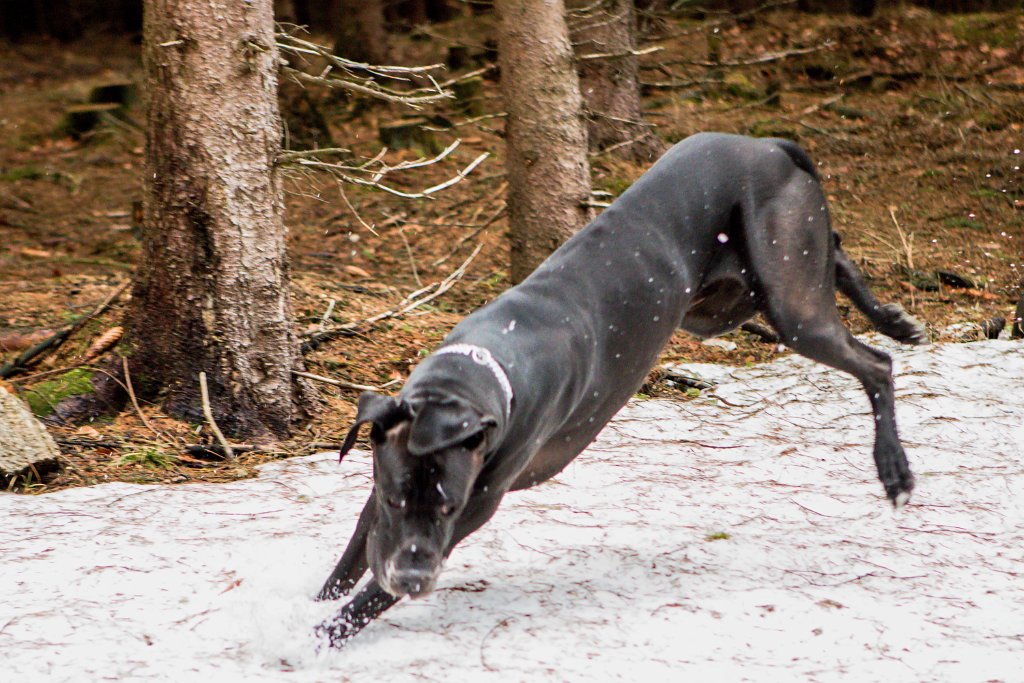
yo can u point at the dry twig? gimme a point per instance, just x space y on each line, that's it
411 302
208 412
373 171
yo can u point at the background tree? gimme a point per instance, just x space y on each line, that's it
212 289
604 36
360 33
548 171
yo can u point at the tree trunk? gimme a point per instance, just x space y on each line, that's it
212 289
359 31
610 85
548 171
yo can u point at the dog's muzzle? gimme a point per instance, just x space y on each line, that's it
412 571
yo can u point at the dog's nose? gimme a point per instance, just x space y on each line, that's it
415 583
415 569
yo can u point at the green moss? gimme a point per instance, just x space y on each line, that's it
738 85
990 120
963 223
616 185
23 173
43 397
148 456
718 536
978 29
772 128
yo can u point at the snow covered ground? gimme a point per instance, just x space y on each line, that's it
736 539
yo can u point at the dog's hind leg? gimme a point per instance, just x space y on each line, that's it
790 247
367 605
827 341
353 563
889 319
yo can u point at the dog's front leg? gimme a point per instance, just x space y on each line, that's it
368 604
353 563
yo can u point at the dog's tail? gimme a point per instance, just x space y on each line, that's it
889 319
800 158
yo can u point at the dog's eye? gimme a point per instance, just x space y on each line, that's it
447 509
394 503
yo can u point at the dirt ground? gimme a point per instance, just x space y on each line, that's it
915 120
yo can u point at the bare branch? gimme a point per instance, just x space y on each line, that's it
763 59
415 300
345 173
622 53
361 77
373 89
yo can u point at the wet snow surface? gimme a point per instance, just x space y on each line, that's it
744 538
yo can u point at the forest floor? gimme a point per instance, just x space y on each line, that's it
914 118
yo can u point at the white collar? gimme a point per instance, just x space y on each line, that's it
482 356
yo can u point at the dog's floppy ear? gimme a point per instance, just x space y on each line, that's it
383 411
440 424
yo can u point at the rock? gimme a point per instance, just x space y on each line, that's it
26 449
723 344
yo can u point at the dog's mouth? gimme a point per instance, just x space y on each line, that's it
413 582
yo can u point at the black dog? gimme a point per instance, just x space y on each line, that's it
721 228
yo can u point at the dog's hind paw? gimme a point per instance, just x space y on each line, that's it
898 490
895 322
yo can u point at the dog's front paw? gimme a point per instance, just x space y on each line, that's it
337 631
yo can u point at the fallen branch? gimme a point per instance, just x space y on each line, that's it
753 61
340 382
34 354
217 450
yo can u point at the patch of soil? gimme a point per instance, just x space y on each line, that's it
913 118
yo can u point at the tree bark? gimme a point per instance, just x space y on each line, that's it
212 289
548 171
360 33
610 85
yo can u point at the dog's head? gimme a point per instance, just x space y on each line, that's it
427 454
